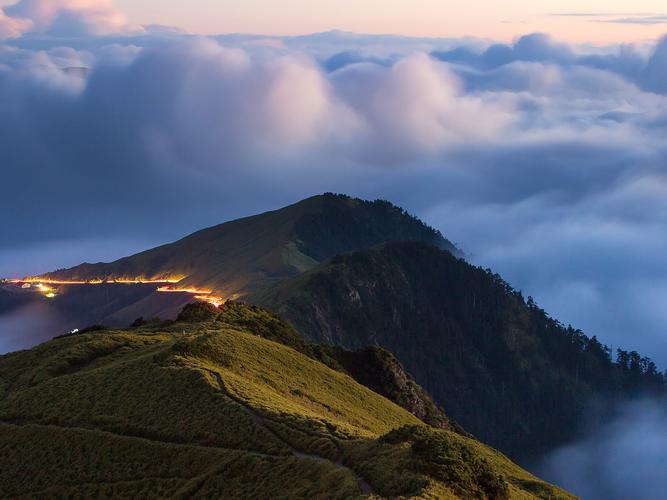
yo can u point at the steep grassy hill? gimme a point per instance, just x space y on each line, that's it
251 253
217 405
498 364
372 367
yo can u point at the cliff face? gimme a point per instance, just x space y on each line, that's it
380 371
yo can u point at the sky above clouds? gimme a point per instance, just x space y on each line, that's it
542 156
598 21
611 20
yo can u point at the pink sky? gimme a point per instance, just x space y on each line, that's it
480 18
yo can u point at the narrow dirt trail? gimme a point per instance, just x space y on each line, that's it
260 421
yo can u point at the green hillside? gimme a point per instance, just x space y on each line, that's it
497 363
220 405
251 253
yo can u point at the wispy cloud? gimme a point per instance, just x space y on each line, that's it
582 14
61 17
647 18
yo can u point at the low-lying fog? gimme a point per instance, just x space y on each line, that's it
28 326
623 460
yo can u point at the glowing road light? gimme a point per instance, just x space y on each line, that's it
97 281
170 289
211 299
168 286
203 295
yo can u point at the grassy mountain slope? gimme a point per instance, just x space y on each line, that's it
247 254
372 367
218 409
496 363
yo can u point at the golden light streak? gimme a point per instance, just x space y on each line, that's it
42 285
98 281
52 282
199 294
169 289
143 282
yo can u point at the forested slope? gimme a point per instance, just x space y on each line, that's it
496 362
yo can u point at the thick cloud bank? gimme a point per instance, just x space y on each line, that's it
146 125
623 460
543 160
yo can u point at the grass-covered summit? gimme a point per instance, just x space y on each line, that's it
223 404
247 254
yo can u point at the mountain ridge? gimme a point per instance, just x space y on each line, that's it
243 255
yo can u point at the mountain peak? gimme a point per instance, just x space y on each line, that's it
244 255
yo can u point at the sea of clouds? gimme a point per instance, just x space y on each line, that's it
543 160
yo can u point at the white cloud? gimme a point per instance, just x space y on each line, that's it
11 27
61 17
415 107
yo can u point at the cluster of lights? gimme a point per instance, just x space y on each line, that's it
46 290
216 300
